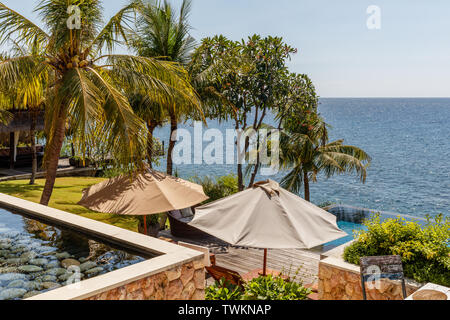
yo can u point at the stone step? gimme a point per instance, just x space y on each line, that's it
313 286
313 296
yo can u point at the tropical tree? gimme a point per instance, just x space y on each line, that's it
242 81
162 33
306 152
86 87
154 114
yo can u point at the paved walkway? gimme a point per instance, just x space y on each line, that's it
64 169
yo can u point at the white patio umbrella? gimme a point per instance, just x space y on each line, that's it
269 217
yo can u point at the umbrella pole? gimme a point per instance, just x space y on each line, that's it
265 263
145 225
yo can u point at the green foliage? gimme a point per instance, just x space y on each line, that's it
241 81
223 290
219 187
261 288
425 251
66 150
82 88
274 288
306 152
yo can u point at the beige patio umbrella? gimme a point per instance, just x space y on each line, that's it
268 217
147 193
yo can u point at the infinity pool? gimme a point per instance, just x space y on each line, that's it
36 257
350 219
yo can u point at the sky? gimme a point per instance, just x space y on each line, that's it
408 56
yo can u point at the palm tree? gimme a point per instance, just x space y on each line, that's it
163 34
86 87
309 153
154 115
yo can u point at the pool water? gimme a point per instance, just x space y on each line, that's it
350 219
36 257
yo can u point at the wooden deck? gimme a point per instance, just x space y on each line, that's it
244 260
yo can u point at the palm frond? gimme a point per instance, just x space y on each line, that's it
118 27
293 181
15 25
163 82
127 131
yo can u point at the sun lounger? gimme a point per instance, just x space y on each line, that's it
231 276
179 225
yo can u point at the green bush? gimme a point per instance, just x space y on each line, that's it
274 288
425 251
261 288
223 290
217 188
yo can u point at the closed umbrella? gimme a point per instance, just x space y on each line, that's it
269 217
144 194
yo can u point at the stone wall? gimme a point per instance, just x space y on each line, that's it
339 280
186 282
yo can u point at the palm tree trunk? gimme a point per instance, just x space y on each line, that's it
173 128
52 158
33 148
306 185
240 178
257 165
151 128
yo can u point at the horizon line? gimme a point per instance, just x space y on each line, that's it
368 97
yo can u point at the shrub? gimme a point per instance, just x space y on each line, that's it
424 250
223 290
274 288
217 188
261 288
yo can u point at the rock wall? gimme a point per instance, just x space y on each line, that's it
186 282
339 280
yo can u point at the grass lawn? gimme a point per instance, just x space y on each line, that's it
66 194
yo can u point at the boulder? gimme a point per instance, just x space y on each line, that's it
12 293
50 285
11 276
30 294
63 255
66 263
95 270
56 271
17 284
38 262
30 269
87 265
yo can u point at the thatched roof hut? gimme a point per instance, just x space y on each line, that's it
16 132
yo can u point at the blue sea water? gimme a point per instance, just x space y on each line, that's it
408 139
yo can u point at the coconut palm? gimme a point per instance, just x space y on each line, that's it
87 82
309 153
154 114
160 32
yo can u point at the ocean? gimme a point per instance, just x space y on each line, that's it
407 138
